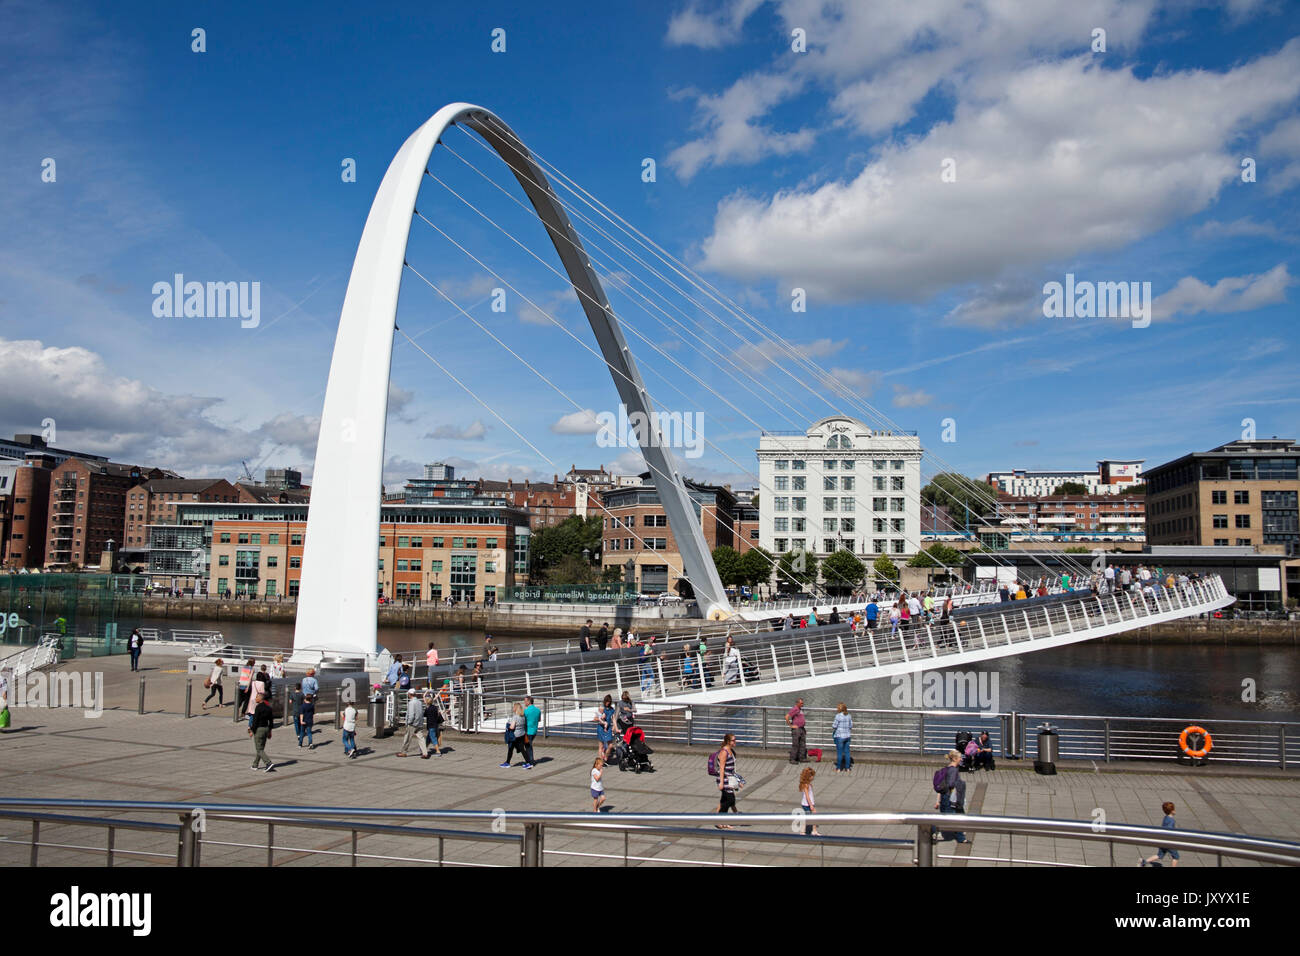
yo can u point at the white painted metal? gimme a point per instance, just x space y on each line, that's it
337 596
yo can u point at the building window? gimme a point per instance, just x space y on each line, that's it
781 464
846 483
273 539
798 464
490 543
896 464
829 483
1220 542
1241 498
257 539
799 483
223 561
417 542
897 504
846 465
828 504
293 588
878 546
223 585
896 484
295 540
830 525
403 541
848 504
781 483
899 547
436 543
270 589
1243 542
847 524
798 524
1221 521
896 525
243 539
401 564
272 561
879 504
829 545
829 465
780 504
799 504
780 524
1243 521
781 545
295 562
458 542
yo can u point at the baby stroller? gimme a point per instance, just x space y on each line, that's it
966 746
633 753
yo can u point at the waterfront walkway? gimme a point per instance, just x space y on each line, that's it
162 756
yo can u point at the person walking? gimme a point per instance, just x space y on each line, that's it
245 686
731 663
261 684
415 709
350 731
584 637
895 619
604 721
310 685
533 720
295 704
788 623
1156 859
795 720
135 643
602 636
597 785
951 796
516 725
434 719
648 667
213 683
394 671
307 714
842 732
873 614
277 671
260 730
626 715
431 659
728 781
806 801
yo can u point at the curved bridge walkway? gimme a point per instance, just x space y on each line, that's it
784 662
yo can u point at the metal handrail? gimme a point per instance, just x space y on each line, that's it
357 820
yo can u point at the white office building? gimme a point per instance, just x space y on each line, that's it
840 484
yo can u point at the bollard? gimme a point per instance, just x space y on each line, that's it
141 707
189 696
188 849
532 849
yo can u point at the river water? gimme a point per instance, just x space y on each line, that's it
1196 682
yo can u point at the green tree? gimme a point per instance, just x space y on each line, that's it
1137 489
1071 488
938 555
885 569
842 571
957 493
727 560
756 566
796 568
550 546
1078 549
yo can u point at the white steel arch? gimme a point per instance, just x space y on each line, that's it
337 595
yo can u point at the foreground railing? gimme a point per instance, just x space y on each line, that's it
505 838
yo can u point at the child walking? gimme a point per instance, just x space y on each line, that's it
1168 823
597 787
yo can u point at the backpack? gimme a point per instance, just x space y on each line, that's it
713 765
940 778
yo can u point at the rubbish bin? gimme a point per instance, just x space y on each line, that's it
1049 748
377 717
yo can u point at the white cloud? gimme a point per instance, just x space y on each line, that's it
905 397
577 423
1245 226
1191 296
1063 158
551 305
759 356
856 379
1279 152
474 431
731 134
710 29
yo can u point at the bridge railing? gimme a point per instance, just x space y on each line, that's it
933 731
237 834
767 664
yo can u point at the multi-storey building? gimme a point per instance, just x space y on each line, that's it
24 510
840 485
1243 493
87 509
546 503
155 502
467 550
1072 517
1112 476
636 531
286 479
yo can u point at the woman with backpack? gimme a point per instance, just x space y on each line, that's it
951 796
723 766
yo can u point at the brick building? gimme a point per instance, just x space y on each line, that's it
1099 517
24 510
636 529
155 501
87 509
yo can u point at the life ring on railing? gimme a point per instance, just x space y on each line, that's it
1206 746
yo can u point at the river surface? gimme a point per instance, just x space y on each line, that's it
1196 682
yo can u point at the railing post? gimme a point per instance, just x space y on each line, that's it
924 847
573 675
112 833
618 678
776 667
875 659
1281 731
36 841
188 849
1005 630
1106 753
531 850
920 748
843 660
812 671
189 696
764 744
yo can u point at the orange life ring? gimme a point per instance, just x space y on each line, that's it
1205 749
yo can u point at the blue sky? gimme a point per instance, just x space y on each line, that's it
776 170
